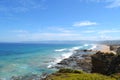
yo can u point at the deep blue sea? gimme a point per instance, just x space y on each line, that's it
19 59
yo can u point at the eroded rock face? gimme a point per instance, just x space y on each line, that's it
118 51
115 48
105 63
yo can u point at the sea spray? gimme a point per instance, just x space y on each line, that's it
60 50
93 46
67 52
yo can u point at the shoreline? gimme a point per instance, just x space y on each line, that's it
81 59
74 51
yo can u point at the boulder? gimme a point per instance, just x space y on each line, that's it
105 63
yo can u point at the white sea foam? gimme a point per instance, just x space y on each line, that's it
60 50
93 46
49 66
75 48
65 53
86 44
68 53
59 59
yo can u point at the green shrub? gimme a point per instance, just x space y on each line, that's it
70 71
69 74
74 76
116 76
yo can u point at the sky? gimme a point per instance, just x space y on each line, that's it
42 20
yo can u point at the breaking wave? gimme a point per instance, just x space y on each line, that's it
67 52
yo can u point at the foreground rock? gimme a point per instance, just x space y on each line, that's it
105 63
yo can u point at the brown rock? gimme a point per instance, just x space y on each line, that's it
105 63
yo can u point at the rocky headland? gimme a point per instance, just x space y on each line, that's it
102 63
104 59
81 60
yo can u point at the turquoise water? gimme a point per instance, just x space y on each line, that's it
18 59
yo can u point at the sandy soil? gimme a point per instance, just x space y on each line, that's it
103 48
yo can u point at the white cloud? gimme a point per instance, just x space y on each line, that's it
108 34
20 31
84 23
49 36
102 31
110 3
105 37
25 35
60 29
113 4
109 31
89 31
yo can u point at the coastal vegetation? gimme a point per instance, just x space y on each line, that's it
69 74
105 66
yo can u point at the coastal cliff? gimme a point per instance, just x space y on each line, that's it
106 63
102 62
86 65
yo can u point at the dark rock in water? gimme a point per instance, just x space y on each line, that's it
31 77
100 62
105 63
77 61
86 55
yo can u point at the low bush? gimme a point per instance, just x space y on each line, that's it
70 71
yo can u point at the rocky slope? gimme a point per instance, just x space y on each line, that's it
105 63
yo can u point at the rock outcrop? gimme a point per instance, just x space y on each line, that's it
96 62
80 60
105 63
115 49
118 51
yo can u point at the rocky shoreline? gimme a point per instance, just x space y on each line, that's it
81 60
104 60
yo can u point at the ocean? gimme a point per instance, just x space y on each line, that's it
19 59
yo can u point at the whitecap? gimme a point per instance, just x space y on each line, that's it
60 58
86 45
49 66
67 54
60 50
75 48
93 46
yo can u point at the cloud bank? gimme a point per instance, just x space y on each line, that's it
84 23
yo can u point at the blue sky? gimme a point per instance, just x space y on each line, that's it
39 20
